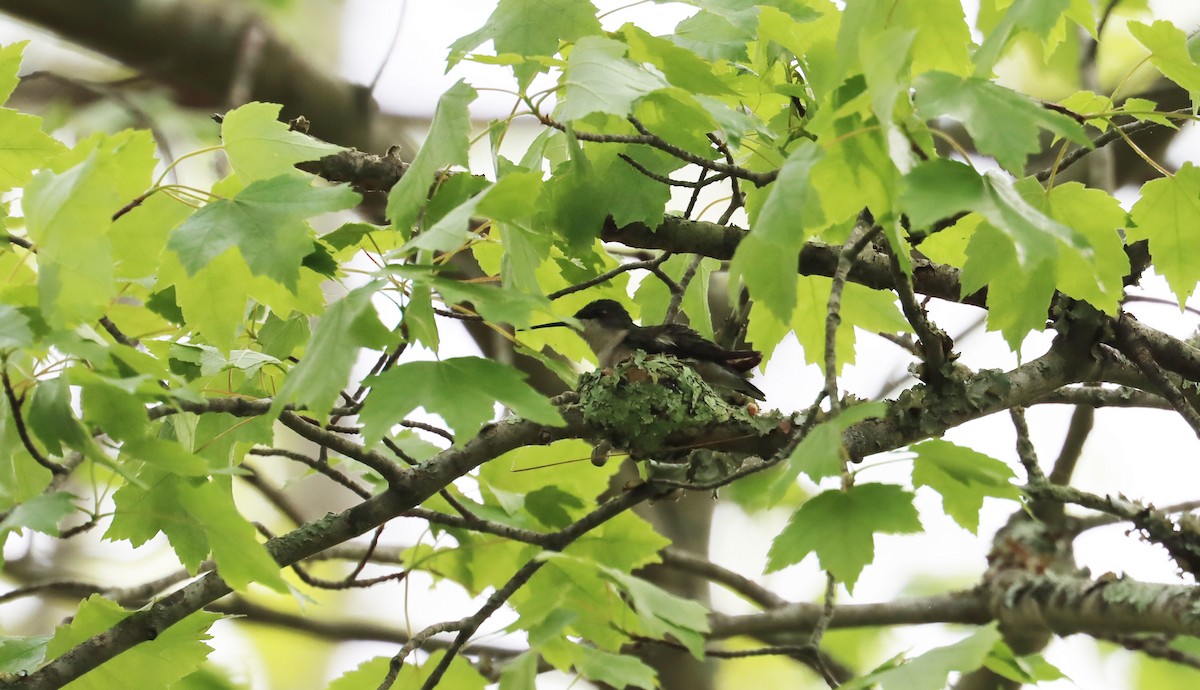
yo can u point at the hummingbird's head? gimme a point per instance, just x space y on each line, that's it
605 313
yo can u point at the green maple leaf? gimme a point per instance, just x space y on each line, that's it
173 653
767 258
350 324
445 145
198 517
265 221
68 216
663 613
963 477
24 147
938 189
614 670
463 390
822 451
1003 123
240 557
1166 216
1038 17
600 79
623 543
840 527
259 146
931 670
937 29
10 66
21 655
682 67
1019 293
1169 52
14 328
41 513
1098 217
530 27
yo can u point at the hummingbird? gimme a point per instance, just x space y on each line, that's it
610 332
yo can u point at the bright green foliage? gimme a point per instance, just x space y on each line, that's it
173 654
1169 52
69 213
10 63
822 453
930 670
1003 123
445 145
1029 669
862 309
1031 243
351 323
859 513
1165 215
22 654
463 390
531 27
963 477
24 147
41 513
199 518
259 146
600 80
635 605
370 672
520 673
772 249
153 333
265 221
1037 17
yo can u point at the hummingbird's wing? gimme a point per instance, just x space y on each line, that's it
680 340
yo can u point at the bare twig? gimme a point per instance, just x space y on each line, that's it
932 340
14 405
1082 420
1025 450
649 139
648 265
316 465
1113 134
1136 349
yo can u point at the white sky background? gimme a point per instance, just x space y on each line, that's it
1148 455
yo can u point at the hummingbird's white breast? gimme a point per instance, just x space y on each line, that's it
607 343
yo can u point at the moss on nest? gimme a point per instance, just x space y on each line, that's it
642 401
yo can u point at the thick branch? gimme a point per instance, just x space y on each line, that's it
424 481
1064 605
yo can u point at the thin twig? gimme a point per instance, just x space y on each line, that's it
1133 347
1025 450
274 496
1082 421
932 347
1111 135
466 627
677 297
316 465
691 563
737 199
648 265
653 140
14 405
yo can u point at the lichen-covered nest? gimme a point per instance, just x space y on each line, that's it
640 403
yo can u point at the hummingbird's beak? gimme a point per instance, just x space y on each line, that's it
556 324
